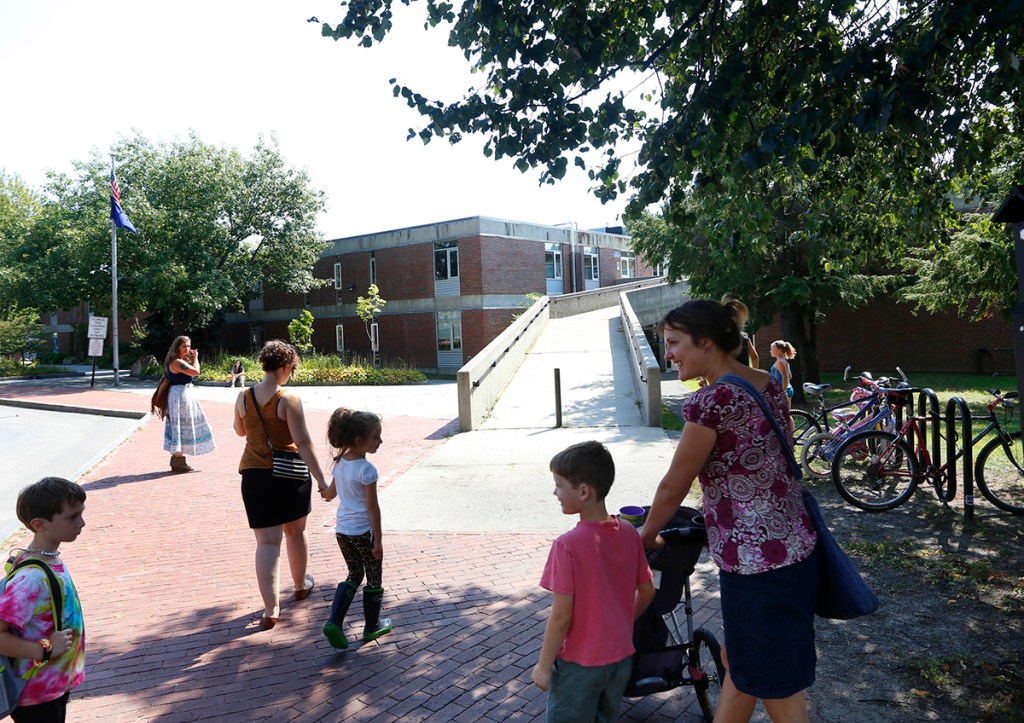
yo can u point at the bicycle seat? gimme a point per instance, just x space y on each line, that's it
816 390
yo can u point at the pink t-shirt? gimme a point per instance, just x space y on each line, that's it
601 564
25 607
753 507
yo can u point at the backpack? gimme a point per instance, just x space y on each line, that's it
12 684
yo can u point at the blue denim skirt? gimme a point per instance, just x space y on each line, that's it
768 620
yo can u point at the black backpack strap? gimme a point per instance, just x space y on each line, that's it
56 592
739 381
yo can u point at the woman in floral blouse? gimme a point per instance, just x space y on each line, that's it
758 530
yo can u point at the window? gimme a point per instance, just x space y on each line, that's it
553 261
449 330
339 335
446 260
591 270
628 265
337 275
373 267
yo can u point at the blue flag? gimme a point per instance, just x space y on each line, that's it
118 215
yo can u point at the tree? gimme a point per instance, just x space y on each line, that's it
972 269
790 242
213 226
20 331
20 208
725 88
300 331
368 308
729 101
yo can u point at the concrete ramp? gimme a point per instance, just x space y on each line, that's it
596 388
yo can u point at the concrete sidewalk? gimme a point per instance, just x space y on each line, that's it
164 566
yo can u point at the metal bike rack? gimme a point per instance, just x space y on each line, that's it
928 411
926 397
967 435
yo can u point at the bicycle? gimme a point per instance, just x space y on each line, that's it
872 412
877 471
809 424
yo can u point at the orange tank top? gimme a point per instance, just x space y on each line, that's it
257 454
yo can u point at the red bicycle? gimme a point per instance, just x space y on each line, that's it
877 470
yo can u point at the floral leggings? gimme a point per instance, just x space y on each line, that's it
358 553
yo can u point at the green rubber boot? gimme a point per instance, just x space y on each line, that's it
375 625
332 628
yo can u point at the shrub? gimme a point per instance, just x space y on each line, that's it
316 369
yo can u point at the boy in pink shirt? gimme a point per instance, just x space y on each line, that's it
601 582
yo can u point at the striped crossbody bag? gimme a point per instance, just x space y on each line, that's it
287 465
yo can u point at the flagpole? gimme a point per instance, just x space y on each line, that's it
113 282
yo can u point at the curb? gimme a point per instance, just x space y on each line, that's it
51 407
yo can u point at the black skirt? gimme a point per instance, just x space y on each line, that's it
270 502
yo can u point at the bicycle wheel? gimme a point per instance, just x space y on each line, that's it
805 426
999 473
817 454
709 660
875 471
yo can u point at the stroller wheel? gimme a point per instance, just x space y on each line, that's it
708 657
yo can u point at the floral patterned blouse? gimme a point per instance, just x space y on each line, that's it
753 507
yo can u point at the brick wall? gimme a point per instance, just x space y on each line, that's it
480 326
405 272
883 335
511 266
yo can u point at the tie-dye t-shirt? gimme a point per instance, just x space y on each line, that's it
25 607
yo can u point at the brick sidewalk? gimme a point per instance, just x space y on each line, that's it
165 571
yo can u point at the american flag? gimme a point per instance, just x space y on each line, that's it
119 217
114 187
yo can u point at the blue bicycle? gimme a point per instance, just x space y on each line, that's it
868 409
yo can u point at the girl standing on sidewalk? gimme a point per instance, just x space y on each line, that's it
353 435
782 351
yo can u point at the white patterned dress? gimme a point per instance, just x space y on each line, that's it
186 430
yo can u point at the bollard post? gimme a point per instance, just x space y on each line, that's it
558 398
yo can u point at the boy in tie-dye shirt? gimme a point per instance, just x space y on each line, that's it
55 660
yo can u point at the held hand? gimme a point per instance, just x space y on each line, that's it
541 678
61 642
651 543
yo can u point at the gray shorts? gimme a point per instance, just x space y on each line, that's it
587 694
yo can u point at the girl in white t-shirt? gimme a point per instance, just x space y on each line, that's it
353 435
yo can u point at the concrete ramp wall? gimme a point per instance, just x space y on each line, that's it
482 378
641 303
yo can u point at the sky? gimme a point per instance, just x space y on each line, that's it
79 75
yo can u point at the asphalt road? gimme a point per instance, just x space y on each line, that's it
44 443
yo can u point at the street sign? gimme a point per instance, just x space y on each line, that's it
95 347
97 328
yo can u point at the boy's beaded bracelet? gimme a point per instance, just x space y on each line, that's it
47 650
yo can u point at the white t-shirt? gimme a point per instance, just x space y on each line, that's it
350 479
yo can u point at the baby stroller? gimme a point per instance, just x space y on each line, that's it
667 659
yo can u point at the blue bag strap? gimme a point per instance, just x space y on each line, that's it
739 381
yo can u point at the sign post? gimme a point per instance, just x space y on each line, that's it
97 333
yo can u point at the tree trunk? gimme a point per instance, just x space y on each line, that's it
799 329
